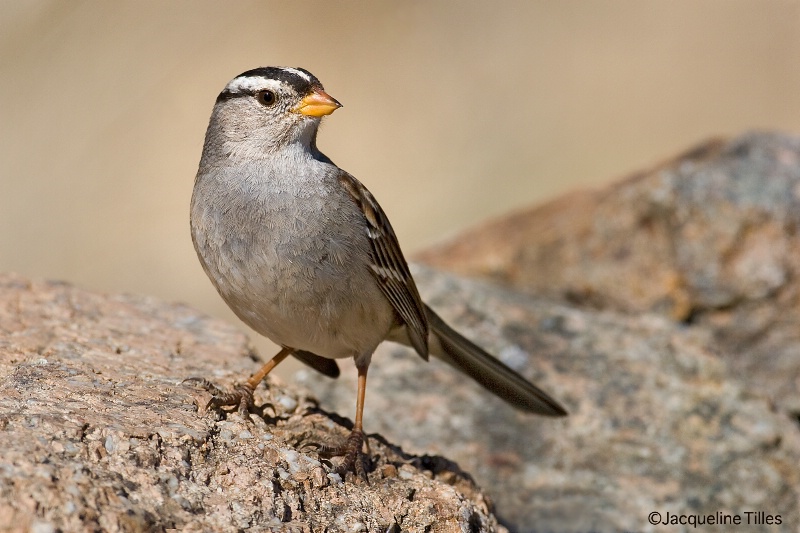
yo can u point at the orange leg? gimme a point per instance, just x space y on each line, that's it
242 394
362 391
353 455
256 378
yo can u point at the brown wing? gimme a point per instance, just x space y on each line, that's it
389 266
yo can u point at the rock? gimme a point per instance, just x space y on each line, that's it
710 238
658 423
662 312
99 433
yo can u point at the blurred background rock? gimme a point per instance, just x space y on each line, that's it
453 113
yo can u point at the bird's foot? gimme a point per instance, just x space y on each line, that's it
354 459
241 396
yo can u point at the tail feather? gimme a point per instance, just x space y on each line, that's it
320 364
488 371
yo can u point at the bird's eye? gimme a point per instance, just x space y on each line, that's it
266 97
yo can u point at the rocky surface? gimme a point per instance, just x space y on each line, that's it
662 312
658 422
99 434
710 238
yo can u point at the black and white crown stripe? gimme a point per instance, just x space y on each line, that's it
248 83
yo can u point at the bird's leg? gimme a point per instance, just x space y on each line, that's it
242 393
352 452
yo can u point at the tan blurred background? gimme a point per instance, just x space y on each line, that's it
454 111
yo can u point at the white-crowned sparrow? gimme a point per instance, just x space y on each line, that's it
303 254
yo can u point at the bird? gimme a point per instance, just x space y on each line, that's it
303 254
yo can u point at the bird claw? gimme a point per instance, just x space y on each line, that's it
241 396
354 458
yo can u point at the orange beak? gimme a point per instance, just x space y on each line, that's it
317 103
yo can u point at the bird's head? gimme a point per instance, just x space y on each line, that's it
267 109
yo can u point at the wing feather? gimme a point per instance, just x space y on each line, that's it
389 266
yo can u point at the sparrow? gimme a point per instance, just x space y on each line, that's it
303 253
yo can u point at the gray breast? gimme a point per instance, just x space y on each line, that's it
289 255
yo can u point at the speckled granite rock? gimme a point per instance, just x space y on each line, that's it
657 421
710 238
670 335
99 434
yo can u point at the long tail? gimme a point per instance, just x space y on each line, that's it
462 354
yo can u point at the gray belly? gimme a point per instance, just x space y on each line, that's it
289 273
